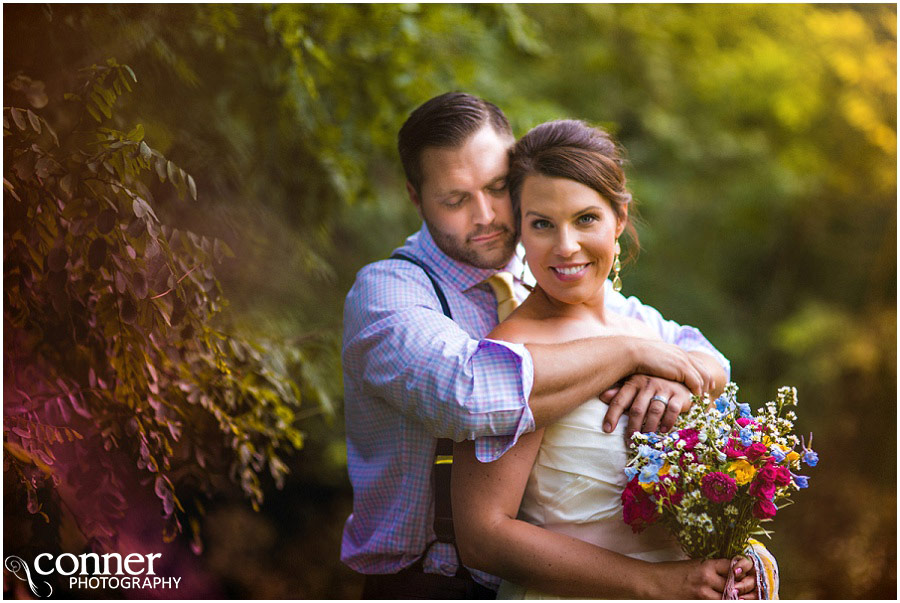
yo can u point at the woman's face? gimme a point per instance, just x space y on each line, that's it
569 232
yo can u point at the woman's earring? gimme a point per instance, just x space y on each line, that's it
617 267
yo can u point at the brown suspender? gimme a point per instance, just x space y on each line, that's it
443 455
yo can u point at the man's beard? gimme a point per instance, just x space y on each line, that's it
498 257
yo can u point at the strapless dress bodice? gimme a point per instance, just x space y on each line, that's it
575 488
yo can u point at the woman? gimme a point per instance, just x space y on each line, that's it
568 191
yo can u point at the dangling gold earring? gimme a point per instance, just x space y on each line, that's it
617 267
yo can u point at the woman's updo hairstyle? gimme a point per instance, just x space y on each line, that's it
572 149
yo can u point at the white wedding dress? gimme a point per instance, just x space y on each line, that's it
575 488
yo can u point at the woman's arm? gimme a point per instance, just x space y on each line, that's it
486 498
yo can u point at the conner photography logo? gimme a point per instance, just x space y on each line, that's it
90 571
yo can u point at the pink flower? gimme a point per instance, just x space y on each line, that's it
768 473
764 509
744 422
755 450
762 489
690 436
638 510
734 449
718 487
782 476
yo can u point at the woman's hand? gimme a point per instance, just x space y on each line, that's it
703 579
636 396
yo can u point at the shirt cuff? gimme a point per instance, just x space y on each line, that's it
490 448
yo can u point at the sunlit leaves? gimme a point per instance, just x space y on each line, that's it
126 346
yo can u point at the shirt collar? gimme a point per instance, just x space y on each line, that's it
458 274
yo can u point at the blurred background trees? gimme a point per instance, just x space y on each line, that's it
762 148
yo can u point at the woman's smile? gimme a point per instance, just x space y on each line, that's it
570 272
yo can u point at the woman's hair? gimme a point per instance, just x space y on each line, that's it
572 149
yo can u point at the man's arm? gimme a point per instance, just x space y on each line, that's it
398 346
686 337
636 392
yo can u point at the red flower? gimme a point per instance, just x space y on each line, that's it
764 509
734 449
755 450
762 489
638 510
768 473
782 476
690 436
718 487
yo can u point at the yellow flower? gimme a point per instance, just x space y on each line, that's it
743 471
792 456
665 469
648 487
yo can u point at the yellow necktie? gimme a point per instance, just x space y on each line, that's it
502 284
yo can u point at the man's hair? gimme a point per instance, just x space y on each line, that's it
444 121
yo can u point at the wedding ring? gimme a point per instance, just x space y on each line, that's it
665 401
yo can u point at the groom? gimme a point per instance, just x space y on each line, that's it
417 365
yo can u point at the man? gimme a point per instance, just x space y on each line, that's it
413 374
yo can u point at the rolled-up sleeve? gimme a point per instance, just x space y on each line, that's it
686 337
400 348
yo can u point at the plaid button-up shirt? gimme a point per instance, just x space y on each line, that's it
412 375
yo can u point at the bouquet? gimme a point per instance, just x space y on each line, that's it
720 474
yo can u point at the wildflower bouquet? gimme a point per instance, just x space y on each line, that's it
717 478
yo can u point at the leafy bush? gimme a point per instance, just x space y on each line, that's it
113 359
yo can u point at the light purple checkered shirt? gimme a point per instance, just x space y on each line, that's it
412 375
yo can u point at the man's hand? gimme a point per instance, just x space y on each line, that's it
635 395
697 371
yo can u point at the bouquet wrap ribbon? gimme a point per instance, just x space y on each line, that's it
766 573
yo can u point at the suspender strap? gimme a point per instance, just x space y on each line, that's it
437 289
443 453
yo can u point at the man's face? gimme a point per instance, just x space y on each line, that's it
465 201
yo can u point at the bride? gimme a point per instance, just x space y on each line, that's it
547 516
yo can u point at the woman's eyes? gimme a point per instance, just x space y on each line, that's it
584 220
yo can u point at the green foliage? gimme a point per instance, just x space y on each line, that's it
113 358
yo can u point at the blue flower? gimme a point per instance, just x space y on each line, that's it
653 437
777 454
649 473
630 472
810 457
723 404
800 480
746 434
651 454
745 410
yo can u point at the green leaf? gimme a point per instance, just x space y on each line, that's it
170 171
130 72
144 151
136 134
